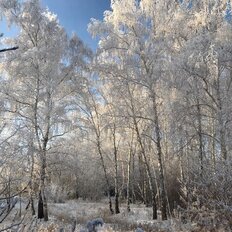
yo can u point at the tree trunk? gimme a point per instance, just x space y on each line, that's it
40 207
128 179
151 185
32 205
9 194
130 165
117 211
42 203
43 167
221 121
213 145
199 131
139 139
45 206
160 163
31 191
141 177
133 196
105 173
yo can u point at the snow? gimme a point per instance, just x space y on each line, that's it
81 213
139 217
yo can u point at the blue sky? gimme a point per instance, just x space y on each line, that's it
73 15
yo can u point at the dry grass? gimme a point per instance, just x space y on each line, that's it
83 212
48 228
62 216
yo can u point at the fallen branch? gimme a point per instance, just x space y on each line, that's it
9 49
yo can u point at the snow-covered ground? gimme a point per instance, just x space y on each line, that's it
66 216
139 217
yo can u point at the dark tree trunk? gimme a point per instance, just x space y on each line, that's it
117 211
32 206
40 207
154 207
105 173
8 49
45 207
160 162
42 195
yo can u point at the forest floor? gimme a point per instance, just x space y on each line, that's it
140 216
63 217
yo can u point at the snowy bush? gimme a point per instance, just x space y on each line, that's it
210 197
57 193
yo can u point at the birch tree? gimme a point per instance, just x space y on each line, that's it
37 81
131 43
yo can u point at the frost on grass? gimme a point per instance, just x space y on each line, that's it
91 217
76 216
